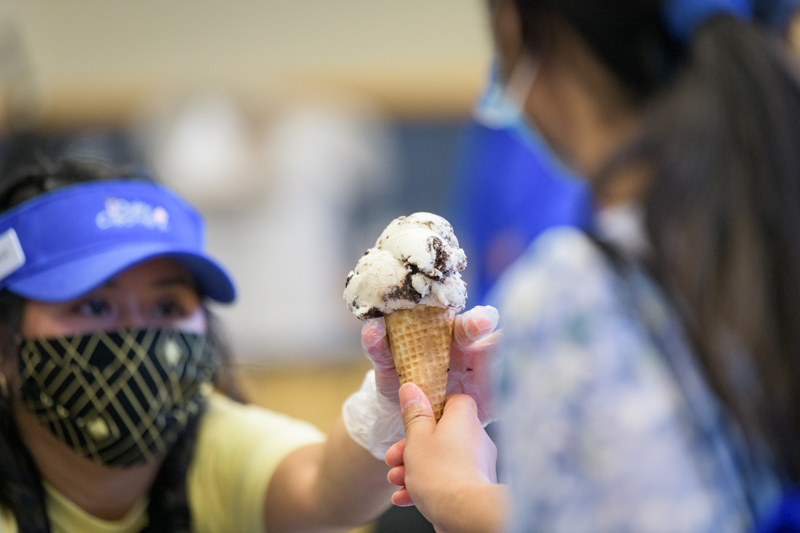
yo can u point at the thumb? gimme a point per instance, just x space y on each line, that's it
417 410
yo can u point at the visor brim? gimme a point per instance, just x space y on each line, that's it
75 278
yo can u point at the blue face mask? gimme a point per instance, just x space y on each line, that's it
500 107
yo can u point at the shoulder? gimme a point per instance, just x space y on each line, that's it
559 254
562 272
239 446
230 423
7 522
569 324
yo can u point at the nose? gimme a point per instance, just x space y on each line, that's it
132 317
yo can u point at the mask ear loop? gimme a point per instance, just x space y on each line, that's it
516 91
520 82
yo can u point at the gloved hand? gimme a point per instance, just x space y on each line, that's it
372 415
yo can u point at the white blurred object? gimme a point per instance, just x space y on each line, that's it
289 254
203 147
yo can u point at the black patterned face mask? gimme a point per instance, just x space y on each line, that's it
119 398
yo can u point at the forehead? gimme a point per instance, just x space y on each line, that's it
154 271
142 278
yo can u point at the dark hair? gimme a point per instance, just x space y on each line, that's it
21 489
721 138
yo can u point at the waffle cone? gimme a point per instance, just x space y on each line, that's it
420 341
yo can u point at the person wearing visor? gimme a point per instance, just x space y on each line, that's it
651 364
111 411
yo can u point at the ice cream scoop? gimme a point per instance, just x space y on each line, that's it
412 277
416 260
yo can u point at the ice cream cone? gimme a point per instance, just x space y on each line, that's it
420 341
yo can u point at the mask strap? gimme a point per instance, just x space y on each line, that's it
683 17
521 80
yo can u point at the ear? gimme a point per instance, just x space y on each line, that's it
6 382
506 26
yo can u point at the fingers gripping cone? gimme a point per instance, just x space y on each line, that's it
420 341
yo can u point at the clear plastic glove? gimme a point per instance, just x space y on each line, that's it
372 415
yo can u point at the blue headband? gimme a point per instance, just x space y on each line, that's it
683 17
64 243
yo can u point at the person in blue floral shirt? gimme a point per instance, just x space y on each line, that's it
651 364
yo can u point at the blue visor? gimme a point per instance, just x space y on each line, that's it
65 243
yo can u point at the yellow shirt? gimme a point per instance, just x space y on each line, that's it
238 448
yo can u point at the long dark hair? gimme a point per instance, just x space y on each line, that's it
21 488
722 141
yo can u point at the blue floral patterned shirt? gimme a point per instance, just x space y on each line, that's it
606 424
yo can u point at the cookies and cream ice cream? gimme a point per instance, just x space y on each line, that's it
412 277
416 260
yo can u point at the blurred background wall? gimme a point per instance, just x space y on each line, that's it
299 128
